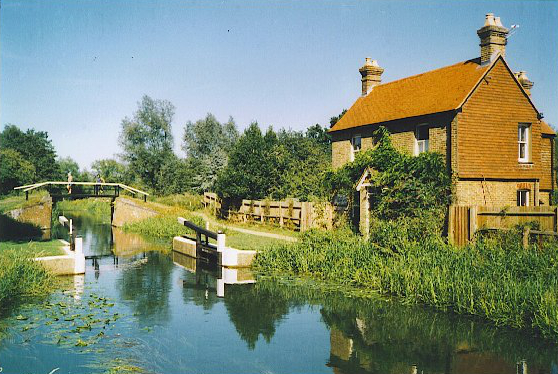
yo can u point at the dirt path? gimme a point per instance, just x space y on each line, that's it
245 231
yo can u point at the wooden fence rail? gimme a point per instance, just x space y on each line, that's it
291 213
465 221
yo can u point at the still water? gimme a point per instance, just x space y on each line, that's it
141 308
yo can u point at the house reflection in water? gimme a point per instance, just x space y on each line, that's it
357 353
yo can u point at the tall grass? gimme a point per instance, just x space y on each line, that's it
164 226
21 276
495 278
186 201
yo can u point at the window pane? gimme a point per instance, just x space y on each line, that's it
522 150
356 143
422 133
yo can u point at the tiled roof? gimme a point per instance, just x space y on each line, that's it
435 91
546 129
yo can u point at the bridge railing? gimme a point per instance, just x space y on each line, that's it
117 187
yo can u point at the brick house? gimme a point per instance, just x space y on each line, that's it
478 113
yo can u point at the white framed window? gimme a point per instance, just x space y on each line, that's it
524 142
523 198
356 145
422 137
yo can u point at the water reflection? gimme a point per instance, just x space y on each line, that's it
380 336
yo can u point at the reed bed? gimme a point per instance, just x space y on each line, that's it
494 278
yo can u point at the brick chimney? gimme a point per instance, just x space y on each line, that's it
493 39
524 81
371 75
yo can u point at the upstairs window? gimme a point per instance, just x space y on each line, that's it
524 142
523 198
356 144
422 136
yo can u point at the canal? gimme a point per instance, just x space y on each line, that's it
139 308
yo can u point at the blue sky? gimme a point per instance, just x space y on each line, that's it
76 68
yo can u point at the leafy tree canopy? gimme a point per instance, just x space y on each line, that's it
147 140
68 164
15 170
207 144
276 165
333 120
110 170
35 147
247 174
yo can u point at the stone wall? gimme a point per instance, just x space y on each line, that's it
128 211
38 214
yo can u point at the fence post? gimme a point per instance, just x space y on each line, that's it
281 222
473 210
526 233
451 226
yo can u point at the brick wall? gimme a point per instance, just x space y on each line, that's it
546 163
495 193
402 136
340 153
487 134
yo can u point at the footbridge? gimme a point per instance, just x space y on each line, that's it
82 190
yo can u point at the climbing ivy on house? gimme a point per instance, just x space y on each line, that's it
403 185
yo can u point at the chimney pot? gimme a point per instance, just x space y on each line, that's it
493 39
524 81
371 74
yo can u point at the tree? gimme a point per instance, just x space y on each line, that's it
320 135
247 174
35 147
68 164
110 170
206 144
175 176
333 120
15 170
146 139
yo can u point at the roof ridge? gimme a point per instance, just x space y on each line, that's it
430 71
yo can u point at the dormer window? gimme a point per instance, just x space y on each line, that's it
356 143
422 136
524 142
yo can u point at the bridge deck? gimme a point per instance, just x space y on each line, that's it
98 192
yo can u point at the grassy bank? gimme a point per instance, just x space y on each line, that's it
495 278
21 276
97 207
33 249
18 201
